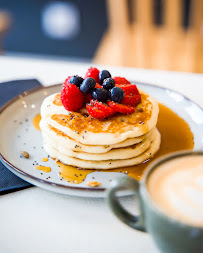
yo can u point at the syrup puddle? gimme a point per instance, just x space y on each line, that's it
72 174
76 176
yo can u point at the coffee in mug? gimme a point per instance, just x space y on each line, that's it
177 189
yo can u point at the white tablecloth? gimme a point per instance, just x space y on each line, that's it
35 220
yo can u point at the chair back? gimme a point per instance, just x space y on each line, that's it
5 22
134 40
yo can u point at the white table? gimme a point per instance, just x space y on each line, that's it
35 220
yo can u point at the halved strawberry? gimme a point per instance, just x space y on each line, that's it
131 99
120 80
120 107
87 98
128 88
103 107
95 112
94 73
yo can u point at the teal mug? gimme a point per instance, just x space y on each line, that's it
170 234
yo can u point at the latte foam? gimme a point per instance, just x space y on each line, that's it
177 188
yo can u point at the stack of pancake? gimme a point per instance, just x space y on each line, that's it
77 139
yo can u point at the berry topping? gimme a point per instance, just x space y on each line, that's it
100 94
103 107
120 80
71 97
103 75
77 80
95 112
116 94
98 86
121 108
131 99
87 85
128 88
87 98
108 83
94 73
66 81
103 95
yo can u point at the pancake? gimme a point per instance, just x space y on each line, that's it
114 154
107 164
64 140
90 131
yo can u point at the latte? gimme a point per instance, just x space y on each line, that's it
176 187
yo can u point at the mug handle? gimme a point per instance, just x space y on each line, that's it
120 184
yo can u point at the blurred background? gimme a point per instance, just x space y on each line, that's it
156 34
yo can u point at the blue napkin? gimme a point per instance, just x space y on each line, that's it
8 181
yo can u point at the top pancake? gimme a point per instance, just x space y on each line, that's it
90 131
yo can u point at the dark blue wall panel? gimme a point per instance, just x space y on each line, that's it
27 35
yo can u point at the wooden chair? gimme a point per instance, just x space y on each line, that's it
143 44
5 21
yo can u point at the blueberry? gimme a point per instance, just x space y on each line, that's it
103 75
87 85
100 94
116 94
108 83
77 80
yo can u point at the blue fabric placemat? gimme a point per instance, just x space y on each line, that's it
8 181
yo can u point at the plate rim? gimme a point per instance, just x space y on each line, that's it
36 89
16 169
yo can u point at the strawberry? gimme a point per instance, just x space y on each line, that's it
95 112
131 99
71 97
94 73
121 80
98 86
128 88
66 81
120 107
103 107
87 98
131 94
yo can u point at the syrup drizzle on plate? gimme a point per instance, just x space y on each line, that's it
43 168
36 121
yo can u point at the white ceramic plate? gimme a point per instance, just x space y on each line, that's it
17 133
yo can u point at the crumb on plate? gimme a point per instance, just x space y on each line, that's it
25 154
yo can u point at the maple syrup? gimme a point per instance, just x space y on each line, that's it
43 168
36 121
